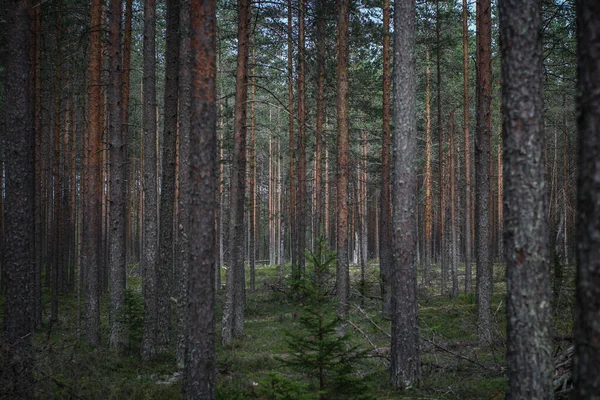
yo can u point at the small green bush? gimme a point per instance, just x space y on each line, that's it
316 346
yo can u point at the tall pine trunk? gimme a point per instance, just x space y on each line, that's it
385 239
467 229
301 215
405 334
118 176
167 193
482 171
92 195
16 376
587 329
529 343
233 313
150 212
343 134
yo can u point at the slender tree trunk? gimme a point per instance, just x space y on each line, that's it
292 145
320 115
499 195
118 176
183 237
16 376
385 239
252 175
343 134
529 346
57 240
301 214
405 333
565 259
150 214
428 173
200 367
453 229
126 80
167 193
233 313
92 223
482 172
468 274
39 174
587 330
440 132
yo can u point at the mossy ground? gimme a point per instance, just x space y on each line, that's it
68 368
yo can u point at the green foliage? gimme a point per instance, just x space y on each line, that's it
277 387
317 347
132 317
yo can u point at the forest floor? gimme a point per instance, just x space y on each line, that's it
453 366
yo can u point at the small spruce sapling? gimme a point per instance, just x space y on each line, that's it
316 347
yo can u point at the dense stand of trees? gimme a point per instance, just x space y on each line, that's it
125 151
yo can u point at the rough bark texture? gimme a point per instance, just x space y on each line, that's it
291 148
320 115
16 377
301 214
587 327
468 275
529 344
343 133
428 184
57 181
92 207
441 166
252 177
405 334
385 239
181 267
167 194
453 230
125 114
200 366
233 312
118 175
39 176
150 213
482 171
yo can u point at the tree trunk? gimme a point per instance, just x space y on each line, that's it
233 313
125 114
118 176
428 184
565 258
453 230
92 223
16 376
385 239
441 171
150 212
167 193
39 174
405 334
482 171
291 148
529 344
183 237
57 213
320 114
252 176
301 214
343 273
468 274
587 329
200 366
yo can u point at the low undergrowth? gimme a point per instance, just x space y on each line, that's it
254 366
